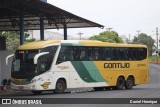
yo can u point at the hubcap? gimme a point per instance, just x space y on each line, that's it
129 82
59 86
121 82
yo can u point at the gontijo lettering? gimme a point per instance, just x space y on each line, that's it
116 65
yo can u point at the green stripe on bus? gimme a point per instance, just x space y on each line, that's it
88 71
82 71
93 71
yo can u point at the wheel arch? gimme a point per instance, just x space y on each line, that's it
62 78
121 76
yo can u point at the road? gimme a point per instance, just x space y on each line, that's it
150 90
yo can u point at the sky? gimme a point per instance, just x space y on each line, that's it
124 16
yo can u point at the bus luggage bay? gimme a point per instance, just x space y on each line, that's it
63 64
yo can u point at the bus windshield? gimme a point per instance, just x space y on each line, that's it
23 66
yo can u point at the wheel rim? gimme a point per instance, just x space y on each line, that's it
130 82
59 86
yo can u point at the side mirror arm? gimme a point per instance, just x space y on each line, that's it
38 55
7 58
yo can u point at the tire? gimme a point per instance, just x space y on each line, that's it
60 87
36 92
129 83
120 83
98 88
107 88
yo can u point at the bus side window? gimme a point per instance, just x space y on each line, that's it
45 61
123 54
128 54
68 53
75 53
106 54
134 54
61 56
115 54
141 53
94 53
83 53
90 54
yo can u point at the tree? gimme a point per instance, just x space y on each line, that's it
13 39
107 36
146 40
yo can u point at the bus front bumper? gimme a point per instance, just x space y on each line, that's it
27 87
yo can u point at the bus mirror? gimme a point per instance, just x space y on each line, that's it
38 55
7 58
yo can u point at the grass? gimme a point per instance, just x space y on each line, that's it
153 57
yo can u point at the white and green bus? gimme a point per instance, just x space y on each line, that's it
67 64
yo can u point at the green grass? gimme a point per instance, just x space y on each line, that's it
153 57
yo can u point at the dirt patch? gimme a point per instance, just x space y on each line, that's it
155 61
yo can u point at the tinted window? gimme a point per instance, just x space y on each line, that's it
95 53
122 54
128 54
115 53
45 61
78 53
70 54
141 53
106 54
133 54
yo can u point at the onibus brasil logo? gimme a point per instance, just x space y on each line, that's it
20 101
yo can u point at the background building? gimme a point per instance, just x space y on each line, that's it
124 39
50 35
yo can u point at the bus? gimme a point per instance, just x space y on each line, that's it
57 65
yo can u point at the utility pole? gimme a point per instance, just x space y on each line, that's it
157 38
109 29
129 38
157 44
80 35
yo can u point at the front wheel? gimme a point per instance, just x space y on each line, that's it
98 88
36 92
120 83
129 83
60 87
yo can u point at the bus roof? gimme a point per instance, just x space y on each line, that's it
41 44
37 44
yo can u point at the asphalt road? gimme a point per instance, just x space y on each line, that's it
150 90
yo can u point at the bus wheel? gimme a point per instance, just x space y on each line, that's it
107 88
120 83
60 86
98 88
36 92
129 83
